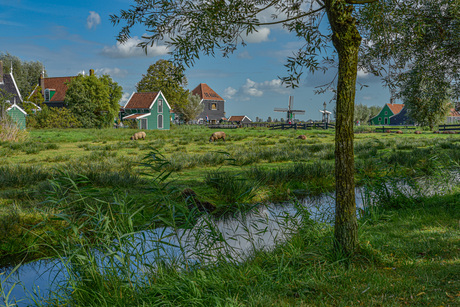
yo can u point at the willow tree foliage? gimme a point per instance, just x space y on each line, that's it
25 73
164 76
191 28
190 110
415 44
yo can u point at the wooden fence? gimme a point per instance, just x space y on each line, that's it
449 127
393 128
302 126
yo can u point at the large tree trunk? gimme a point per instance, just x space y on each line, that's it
346 40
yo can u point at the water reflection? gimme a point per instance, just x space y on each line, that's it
231 239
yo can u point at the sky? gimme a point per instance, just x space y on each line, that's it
71 37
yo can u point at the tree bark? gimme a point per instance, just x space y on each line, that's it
346 40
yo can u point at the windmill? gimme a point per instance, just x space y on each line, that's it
290 112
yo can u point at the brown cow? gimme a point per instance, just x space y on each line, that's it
302 137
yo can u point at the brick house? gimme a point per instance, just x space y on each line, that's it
214 105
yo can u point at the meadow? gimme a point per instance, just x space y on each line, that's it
65 188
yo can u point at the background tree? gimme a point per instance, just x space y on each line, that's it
426 96
269 119
198 27
26 74
93 100
363 113
164 76
415 43
190 110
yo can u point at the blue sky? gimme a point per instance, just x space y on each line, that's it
70 37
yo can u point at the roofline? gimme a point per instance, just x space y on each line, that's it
18 107
142 116
124 107
33 91
17 90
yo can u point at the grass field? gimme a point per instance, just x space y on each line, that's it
54 183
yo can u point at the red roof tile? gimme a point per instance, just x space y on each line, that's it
58 84
206 93
141 100
133 116
454 113
395 107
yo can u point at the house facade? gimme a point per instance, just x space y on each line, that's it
12 96
150 110
453 117
214 105
385 115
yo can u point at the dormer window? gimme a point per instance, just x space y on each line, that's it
213 106
160 106
47 94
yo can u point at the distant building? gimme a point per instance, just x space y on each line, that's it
453 117
13 98
242 119
214 105
151 111
385 115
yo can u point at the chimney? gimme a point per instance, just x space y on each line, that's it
1 72
41 83
91 72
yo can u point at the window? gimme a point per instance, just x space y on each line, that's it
386 112
144 123
386 120
160 121
160 106
380 119
213 106
47 95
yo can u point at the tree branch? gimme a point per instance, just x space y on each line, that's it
360 1
285 20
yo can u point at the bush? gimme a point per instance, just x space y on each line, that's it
53 118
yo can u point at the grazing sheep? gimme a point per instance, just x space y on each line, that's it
418 132
217 135
436 132
138 135
399 132
302 137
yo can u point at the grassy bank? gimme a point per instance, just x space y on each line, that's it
409 255
252 166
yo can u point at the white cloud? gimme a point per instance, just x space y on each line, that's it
244 55
130 49
124 98
257 37
255 89
112 72
362 73
93 20
230 92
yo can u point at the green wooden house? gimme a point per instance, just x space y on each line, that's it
151 111
18 115
384 117
10 93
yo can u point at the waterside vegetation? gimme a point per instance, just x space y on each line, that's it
62 193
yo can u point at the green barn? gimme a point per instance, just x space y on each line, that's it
151 111
18 115
389 110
